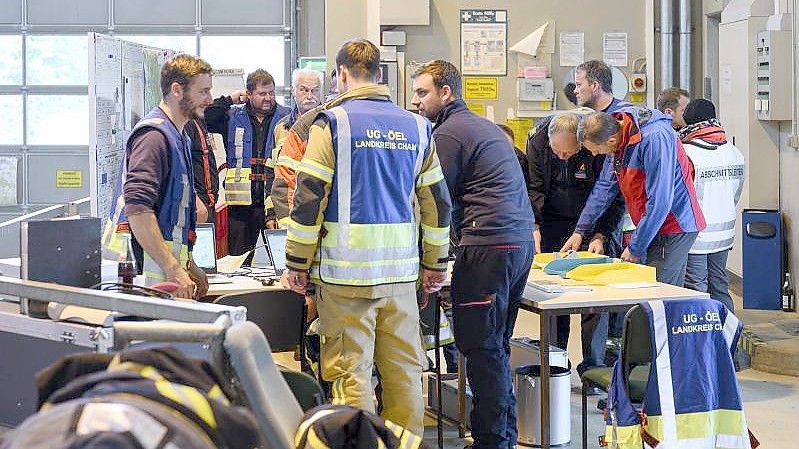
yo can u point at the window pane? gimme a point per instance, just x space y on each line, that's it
185 44
61 60
245 52
11 68
58 120
11 124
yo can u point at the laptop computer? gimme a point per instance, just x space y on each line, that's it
204 253
276 249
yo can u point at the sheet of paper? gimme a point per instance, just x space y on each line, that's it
614 49
227 81
572 48
230 264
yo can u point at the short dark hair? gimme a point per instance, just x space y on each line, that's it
259 77
508 130
181 69
444 73
360 57
699 110
597 71
597 128
669 98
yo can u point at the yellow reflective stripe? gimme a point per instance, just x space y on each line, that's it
371 263
268 203
435 236
190 398
216 393
316 170
269 162
306 424
430 177
287 162
373 236
151 269
313 441
283 223
364 282
700 424
301 233
627 437
337 391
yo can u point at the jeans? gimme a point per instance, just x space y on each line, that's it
708 273
487 287
669 255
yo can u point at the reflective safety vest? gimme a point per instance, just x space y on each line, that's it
719 180
176 215
371 235
240 160
692 400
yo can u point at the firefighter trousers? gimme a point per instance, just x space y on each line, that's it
359 333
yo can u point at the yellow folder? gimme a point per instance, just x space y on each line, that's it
613 273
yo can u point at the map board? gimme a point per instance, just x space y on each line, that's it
124 84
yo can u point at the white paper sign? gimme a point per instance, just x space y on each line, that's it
614 49
572 49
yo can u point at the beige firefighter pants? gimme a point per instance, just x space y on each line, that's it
357 333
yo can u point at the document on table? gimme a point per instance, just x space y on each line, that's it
632 285
230 264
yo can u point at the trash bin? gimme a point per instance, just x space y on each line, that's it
762 259
527 386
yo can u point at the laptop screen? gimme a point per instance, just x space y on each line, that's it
204 252
276 239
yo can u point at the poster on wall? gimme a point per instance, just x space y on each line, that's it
614 49
572 49
484 41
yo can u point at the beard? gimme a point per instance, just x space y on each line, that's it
191 110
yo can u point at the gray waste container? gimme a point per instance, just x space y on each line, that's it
527 386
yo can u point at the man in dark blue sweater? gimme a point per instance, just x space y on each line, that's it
493 223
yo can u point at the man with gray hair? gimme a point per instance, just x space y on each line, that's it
306 89
562 174
649 166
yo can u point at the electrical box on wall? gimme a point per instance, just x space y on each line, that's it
773 95
535 94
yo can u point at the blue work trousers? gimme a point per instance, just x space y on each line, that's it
487 287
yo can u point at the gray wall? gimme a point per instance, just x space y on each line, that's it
345 19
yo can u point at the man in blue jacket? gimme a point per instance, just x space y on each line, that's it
493 221
650 168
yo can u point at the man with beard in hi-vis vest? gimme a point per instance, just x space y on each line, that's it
155 195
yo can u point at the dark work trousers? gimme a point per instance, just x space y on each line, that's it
487 287
593 326
669 255
244 225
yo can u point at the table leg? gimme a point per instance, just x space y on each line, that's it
437 345
461 395
544 341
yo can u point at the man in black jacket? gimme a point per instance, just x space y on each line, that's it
493 222
562 175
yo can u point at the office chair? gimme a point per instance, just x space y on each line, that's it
636 356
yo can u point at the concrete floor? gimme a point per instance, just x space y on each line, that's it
771 402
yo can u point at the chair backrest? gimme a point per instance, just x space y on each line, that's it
279 313
270 399
636 347
306 389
